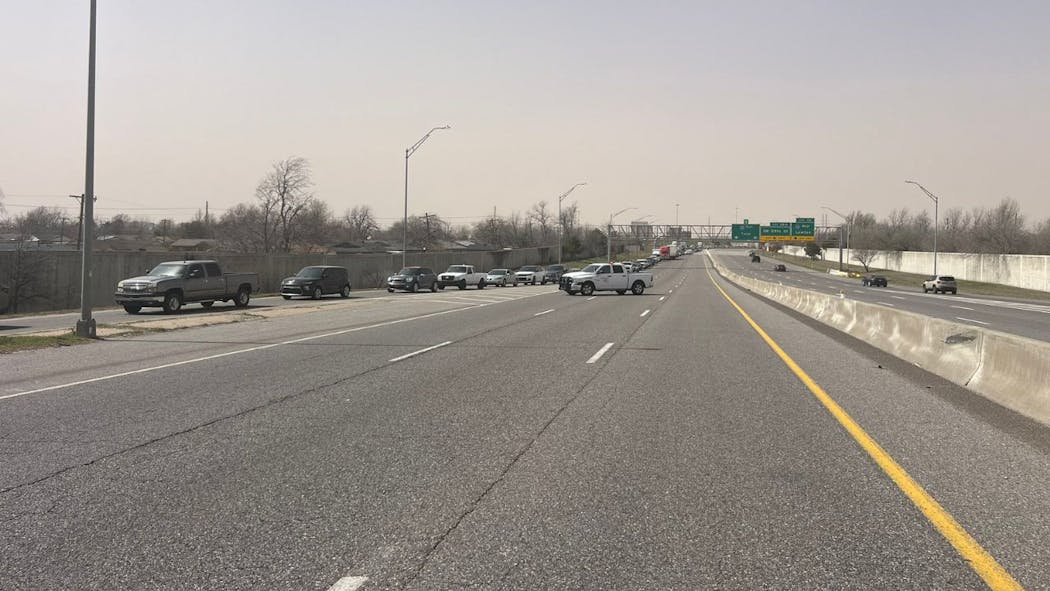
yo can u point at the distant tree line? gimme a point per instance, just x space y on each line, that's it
285 215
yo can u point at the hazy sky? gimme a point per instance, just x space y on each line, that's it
776 108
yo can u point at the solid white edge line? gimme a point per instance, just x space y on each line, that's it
348 584
543 312
962 308
600 352
644 314
972 320
420 352
886 304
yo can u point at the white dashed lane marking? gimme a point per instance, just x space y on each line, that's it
644 314
420 352
348 584
600 352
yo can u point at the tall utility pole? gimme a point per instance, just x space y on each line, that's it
935 222
561 224
404 224
86 324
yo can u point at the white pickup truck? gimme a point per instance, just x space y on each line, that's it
461 276
605 277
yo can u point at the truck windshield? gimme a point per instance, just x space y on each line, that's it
309 273
455 269
165 270
591 268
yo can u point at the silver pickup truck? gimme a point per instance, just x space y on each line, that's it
605 277
172 284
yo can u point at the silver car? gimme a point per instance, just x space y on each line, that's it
501 277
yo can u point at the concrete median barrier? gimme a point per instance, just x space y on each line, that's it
1010 370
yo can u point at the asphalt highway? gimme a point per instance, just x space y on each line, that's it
513 439
1022 318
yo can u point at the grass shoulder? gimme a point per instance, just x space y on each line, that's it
12 344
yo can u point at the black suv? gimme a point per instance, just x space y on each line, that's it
412 279
553 273
874 281
316 282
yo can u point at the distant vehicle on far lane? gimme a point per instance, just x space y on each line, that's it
870 280
940 283
780 267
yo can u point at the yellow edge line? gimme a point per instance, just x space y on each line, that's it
979 559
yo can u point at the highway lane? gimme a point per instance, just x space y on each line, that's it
1023 318
685 456
26 324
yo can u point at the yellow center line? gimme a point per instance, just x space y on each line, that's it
994 575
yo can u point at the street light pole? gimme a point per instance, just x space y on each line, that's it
608 235
404 223
849 230
935 222
561 224
86 325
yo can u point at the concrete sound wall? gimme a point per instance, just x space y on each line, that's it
1007 369
1028 271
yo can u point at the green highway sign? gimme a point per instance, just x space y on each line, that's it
779 224
804 220
804 228
746 232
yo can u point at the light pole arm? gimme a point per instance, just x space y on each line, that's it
411 150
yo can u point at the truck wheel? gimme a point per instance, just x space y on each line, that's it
206 304
481 284
172 302
440 286
638 288
390 290
241 299
346 291
586 289
132 308
621 291
288 297
317 293
544 282
434 287
533 280
462 284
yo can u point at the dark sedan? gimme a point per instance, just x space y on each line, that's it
412 279
874 281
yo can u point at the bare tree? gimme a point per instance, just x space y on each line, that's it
1001 230
316 226
543 220
24 272
283 194
242 228
360 222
